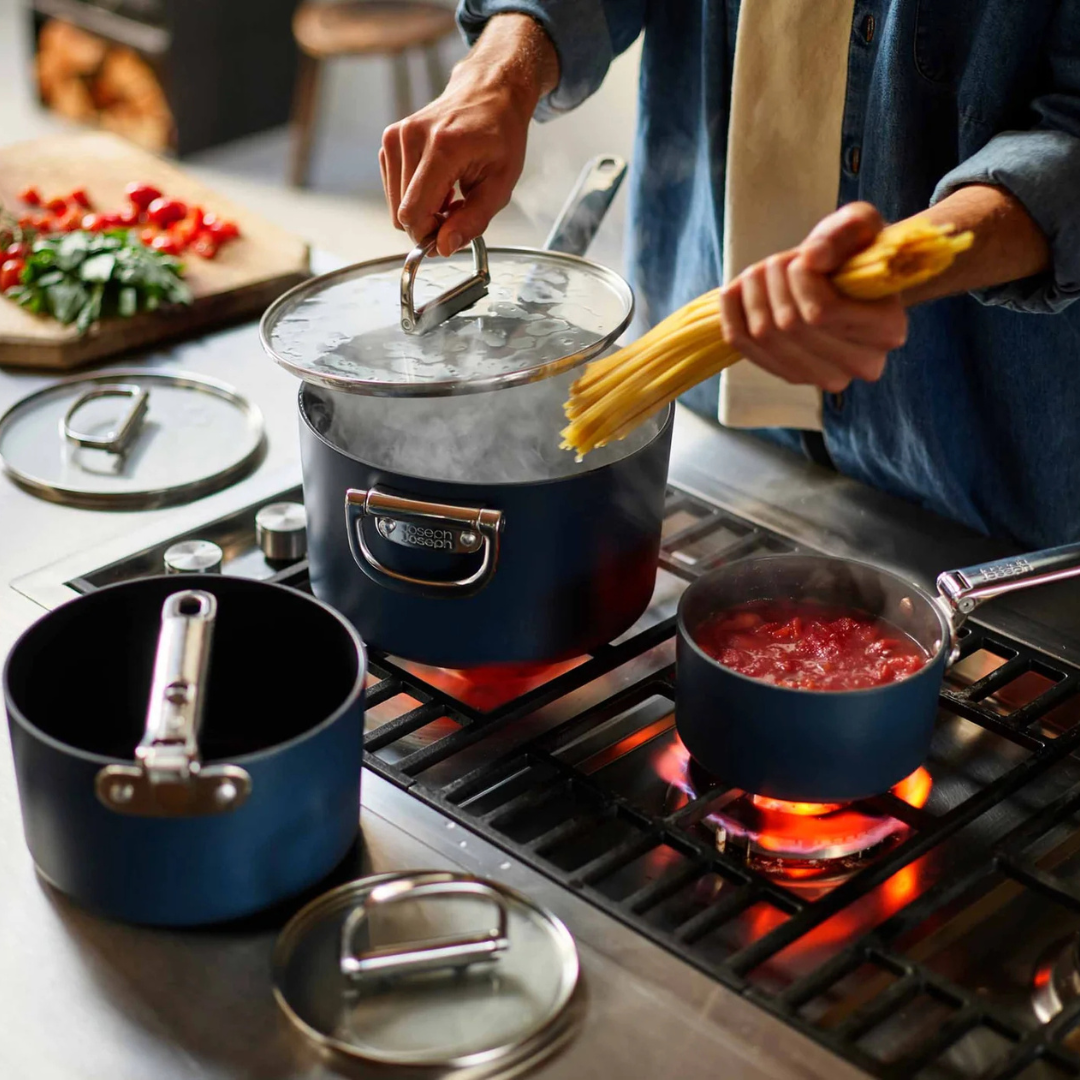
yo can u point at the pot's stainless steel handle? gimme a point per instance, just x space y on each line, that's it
963 590
119 439
435 954
169 779
579 219
435 312
413 523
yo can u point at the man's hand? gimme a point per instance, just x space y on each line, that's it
785 316
473 135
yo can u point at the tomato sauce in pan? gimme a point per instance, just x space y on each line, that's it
807 646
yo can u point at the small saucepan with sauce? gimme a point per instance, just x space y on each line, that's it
815 679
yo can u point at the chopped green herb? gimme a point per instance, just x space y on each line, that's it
81 276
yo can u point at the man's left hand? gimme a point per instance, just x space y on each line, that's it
784 314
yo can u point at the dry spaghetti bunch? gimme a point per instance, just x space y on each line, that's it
617 393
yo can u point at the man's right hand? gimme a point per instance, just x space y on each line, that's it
473 135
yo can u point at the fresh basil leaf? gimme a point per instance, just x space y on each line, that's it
127 302
65 300
98 268
91 310
72 250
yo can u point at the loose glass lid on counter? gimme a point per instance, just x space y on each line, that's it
480 320
131 439
429 969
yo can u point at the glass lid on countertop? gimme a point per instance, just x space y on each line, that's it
477 321
132 439
429 969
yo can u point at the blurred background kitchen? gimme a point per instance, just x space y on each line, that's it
217 82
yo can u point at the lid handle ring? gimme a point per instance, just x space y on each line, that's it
117 440
452 952
435 312
169 779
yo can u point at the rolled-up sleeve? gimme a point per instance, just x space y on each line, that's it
1041 168
587 35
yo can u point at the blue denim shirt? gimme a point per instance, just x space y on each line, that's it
978 415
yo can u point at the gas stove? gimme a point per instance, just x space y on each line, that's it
931 931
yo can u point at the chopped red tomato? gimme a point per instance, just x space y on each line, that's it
71 221
205 245
93 223
807 646
141 195
221 229
17 251
31 196
130 216
10 273
148 235
164 212
166 244
80 198
57 206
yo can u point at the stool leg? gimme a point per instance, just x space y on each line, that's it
435 73
304 102
402 88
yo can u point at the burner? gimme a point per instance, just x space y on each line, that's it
486 688
801 844
1057 979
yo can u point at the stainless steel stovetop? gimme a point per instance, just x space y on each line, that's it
928 932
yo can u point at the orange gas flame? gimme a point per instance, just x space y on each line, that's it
800 809
486 688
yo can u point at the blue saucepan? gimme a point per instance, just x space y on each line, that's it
830 746
187 750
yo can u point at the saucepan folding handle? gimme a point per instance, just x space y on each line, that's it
961 591
374 963
414 523
168 778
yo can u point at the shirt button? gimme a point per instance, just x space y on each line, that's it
868 27
853 159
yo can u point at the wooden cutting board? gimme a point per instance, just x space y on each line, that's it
239 283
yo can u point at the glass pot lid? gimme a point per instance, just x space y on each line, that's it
480 320
428 968
131 439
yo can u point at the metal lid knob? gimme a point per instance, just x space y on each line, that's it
194 557
281 531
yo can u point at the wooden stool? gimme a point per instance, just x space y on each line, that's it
362 28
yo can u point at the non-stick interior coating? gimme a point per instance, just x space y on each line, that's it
500 437
815 578
280 665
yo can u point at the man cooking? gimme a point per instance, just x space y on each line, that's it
756 120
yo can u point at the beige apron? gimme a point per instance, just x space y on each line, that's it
783 168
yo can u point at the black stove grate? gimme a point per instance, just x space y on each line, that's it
533 776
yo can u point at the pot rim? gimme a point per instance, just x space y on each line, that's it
15 713
446 387
661 432
683 634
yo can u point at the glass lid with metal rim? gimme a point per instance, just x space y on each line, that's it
430 327
428 968
131 439
536 314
